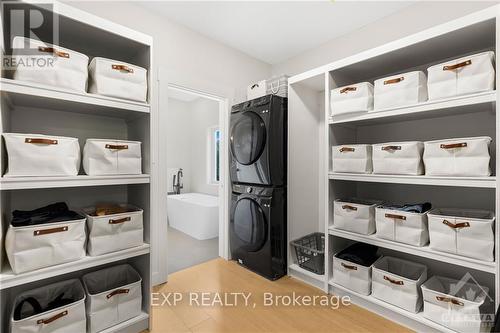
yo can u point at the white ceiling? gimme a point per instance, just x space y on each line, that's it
274 31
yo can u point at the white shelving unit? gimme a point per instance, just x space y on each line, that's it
35 108
313 131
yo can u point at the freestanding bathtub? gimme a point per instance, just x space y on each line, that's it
195 214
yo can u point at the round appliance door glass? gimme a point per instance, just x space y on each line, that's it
250 224
248 138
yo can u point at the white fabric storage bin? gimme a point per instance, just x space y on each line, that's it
118 79
352 158
112 157
466 75
114 232
456 304
277 86
353 98
114 295
353 276
466 232
256 90
41 155
397 281
400 90
400 226
458 157
398 158
58 66
62 319
355 215
42 245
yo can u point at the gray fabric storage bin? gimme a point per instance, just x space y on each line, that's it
114 295
63 319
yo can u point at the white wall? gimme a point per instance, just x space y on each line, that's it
187 146
185 57
413 19
179 141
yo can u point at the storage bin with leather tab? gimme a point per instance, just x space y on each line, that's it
400 90
44 239
462 157
352 98
398 158
355 215
113 228
112 157
352 158
397 282
54 308
466 232
60 67
462 76
114 295
118 79
32 155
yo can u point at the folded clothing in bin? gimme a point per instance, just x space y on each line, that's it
45 237
360 253
114 296
57 212
413 208
58 307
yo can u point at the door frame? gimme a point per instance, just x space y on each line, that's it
224 188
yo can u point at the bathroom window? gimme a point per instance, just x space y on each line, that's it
214 155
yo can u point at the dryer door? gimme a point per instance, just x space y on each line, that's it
248 138
250 225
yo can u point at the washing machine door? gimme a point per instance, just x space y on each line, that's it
248 138
250 224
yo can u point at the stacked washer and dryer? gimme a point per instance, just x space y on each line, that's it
258 175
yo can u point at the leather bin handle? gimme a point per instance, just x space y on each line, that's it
347 89
397 282
391 148
449 300
117 292
393 81
50 231
352 268
122 68
52 50
119 147
53 318
118 221
346 149
456 225
396 217
349 207
41 141
457 66
453 145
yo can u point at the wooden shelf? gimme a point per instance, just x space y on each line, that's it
414 316
424 252
480 182
479 102
29 94
22 183
136 324
8 279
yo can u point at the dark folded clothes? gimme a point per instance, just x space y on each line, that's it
57 212
412 208
22 312
360 253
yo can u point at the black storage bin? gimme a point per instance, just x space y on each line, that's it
310 252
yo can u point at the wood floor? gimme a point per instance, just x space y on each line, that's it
220 276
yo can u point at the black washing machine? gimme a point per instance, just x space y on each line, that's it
258 229
258 141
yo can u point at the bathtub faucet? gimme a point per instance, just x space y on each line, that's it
178 184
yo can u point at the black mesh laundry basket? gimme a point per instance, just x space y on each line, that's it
310 251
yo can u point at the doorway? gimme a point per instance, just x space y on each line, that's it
197 201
